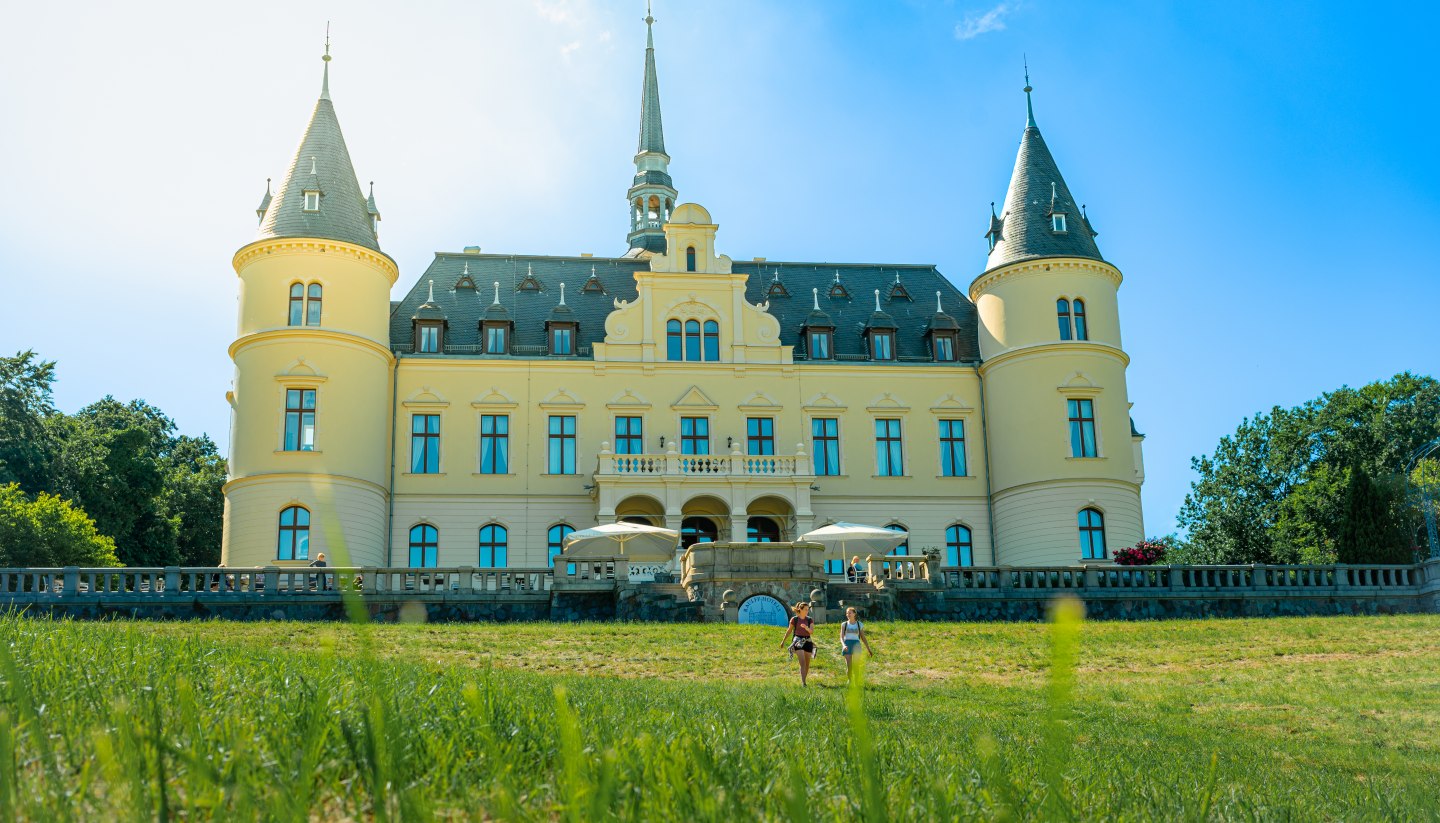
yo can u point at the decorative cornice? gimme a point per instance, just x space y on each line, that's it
1057 348
311 333
1040 266
313 245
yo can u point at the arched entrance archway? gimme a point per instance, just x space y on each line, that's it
703 518
769 519
641 508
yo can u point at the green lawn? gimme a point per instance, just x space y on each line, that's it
1293 719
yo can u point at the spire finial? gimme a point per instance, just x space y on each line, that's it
431 298
1029 108
992 208
939 307
562 294
497 294
877 300
897 276
837 275
815 295
325 83
267 185
649 27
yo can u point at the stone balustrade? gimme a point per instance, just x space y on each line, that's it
703 465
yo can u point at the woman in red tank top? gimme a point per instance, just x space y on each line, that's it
801 646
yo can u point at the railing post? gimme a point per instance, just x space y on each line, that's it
1342 576
1006 583
72 581
466 583
172 579
272 581
1092 578
1257 575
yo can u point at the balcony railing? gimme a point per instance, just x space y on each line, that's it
704 465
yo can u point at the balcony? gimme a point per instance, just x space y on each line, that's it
703 465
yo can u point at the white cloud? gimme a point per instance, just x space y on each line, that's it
975 25
569 48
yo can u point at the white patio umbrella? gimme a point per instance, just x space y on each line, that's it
853 537
633 541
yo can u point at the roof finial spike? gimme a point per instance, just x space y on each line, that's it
592 269
466 272
562 294
497 294
877 300
1029 108
939 307
313 169
837 275
431 298
649 27
325 83
897 277
992 209
815 294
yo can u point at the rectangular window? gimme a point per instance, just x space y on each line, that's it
889 457
882 345
429 339
494 444
562 445
495 340
1082 428
694 435
299 420
760 435
952 448
1057 222
944 348
424 444
819 345
629 436
562 340
825 434
312 201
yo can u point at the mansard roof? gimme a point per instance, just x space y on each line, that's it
530 309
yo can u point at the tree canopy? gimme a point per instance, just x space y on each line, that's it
1279 490
49 531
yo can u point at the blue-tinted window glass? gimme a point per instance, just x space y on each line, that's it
890 459
903 548
1082 428
825 437
952 448
312 306
494 547
959 551
1081 332
562 445
1062 313
494 444
297 304
1092 534
692 340
629 438
760 435
694 435
674 341
294 541
424 547
555 541
425 444
712 341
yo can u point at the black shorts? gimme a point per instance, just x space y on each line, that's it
802 644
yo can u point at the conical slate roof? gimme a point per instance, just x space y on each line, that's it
1025 225
652 131
321 163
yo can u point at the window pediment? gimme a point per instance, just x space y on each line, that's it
694 400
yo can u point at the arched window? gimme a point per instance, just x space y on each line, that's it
697 530
294 543
903 548
1062 312
959 551
312 306
494 542
762 530
692 340
712 341
297 304
690 259
555 540
1081 333
424 547
674 342
1092 534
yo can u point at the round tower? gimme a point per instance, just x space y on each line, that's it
1064 456
310 453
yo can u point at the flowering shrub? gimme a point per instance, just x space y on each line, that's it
1144 553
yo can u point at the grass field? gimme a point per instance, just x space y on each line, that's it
1286 719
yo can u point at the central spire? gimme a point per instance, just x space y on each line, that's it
652 194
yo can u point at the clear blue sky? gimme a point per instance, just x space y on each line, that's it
1265 174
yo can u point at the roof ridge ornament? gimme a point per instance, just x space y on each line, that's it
325 81
877 301
431 298
1029 107
497 293
562 294
939 307
815 293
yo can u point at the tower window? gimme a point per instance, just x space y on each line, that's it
1062 316
312 305
692 340
674 341
1057 222
299 420
1081 332
297 304
690 259
294 534
1082 428
312 201
494 547
1092 534
712 341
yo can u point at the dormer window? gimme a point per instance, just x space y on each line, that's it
882 344
497 337
1057 223
993 238
818 344
944 344
312 200
562 338
428 338
690 259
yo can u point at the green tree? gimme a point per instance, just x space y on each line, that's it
25 405
194 476
49 531
1274 491
1372 525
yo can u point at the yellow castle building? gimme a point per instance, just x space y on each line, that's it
507 400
